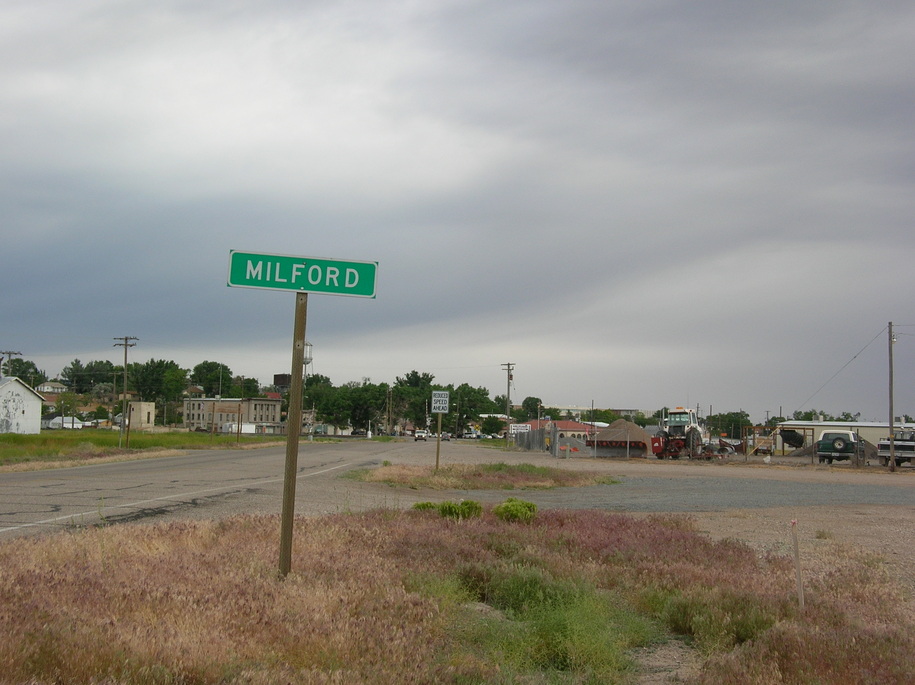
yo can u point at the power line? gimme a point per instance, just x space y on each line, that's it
882 330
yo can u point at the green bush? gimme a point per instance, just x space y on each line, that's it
716 619
464 509
514 509
553 625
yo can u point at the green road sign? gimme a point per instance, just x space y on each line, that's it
302 274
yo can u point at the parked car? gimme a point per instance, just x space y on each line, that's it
903 447
839 444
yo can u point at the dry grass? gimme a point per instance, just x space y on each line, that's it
385 597
498 476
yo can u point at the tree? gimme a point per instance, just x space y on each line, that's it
99 372
469 403
329 405
213 377
103 392
492 425
99 413
25 370
366 403
411 396
174 383
415 379
74 377
848 416
244 387
729 423
530 407
67 402
639 419
811 415
551 413
335 407
82 378
149 378
603 416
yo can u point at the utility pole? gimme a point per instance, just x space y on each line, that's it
125 343
891 340
9 357
508 366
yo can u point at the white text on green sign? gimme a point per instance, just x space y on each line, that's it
302 274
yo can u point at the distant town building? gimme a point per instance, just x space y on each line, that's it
51 388
142 415
211 413
58 422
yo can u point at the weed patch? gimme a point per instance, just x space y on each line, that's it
514 509
498 476
402 596
464 509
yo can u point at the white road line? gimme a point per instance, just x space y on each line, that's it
166 497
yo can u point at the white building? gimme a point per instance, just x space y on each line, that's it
52 388
20 407
65 423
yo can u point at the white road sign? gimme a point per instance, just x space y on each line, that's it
439 401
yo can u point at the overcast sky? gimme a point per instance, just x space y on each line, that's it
639 204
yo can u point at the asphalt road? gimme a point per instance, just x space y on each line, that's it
217 483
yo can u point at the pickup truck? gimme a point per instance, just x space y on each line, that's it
839 444
903 446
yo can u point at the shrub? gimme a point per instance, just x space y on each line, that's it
514 509
553 625
464 509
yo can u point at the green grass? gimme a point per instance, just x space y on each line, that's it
79 445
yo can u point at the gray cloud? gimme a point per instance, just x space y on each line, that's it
639 204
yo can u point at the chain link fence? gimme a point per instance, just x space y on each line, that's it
548 440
